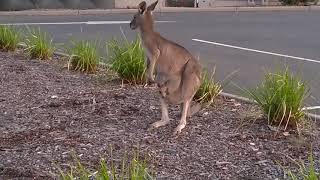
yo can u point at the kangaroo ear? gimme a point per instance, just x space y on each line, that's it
152 6
142 7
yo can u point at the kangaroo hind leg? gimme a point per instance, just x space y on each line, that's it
190 85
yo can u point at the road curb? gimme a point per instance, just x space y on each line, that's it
224 94
65 12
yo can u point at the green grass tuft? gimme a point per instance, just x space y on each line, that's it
9 38
127 60
281 96
209 89
39 46
84 57
305 172
136 169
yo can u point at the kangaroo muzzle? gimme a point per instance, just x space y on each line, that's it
132 25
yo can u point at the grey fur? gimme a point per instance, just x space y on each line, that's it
176 72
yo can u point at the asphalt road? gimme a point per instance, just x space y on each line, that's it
287 32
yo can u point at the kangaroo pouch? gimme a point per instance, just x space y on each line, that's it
169 87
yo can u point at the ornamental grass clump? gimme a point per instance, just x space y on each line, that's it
9 38
84 57
127 60
39 45
134 169
209 89
281 97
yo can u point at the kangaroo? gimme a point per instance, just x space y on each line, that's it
175 71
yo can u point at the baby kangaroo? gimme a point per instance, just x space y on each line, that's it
176 72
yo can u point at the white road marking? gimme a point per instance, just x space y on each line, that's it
310 108
72 23
265 52
258 51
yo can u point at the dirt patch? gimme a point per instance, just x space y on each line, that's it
46 112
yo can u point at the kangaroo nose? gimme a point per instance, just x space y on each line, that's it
132 26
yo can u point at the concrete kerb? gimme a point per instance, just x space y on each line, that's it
56 12
224 94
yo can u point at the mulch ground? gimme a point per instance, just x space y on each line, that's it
48 112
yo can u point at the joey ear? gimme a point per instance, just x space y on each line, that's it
152 6
142 7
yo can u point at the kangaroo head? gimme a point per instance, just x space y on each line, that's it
143 16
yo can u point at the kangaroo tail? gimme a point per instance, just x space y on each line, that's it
194 109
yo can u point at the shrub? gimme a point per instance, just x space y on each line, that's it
84 57
208 89
281 96
136 169
127 60
39 46
9 38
